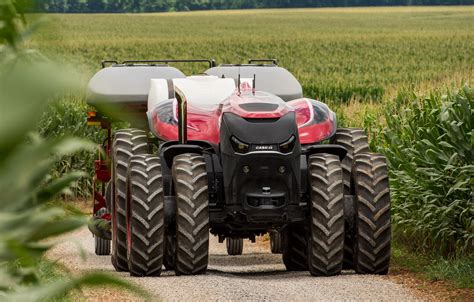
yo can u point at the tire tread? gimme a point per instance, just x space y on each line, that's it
146 216
192 214
355 141
372 209
127 142
326 237
235 246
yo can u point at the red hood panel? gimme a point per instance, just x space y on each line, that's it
315 120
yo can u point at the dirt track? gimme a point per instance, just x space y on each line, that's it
257 275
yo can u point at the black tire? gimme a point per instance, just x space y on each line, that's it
372 208
170 252
192 214
349 227
101 245
127 142
235 246
275 242
295 248
326 237
145 216
356 142
108 195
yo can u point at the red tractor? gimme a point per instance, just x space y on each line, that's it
236 152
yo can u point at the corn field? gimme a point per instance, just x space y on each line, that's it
429 145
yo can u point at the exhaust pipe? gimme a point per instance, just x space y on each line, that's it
182 116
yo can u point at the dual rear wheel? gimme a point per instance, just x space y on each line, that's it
137 205
318 246
367 217
141 244
126 144
339 235
356 142
149 248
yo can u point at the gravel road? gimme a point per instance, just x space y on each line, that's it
257 275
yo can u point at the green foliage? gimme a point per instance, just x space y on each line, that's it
27 82
64 117
429 145
186 5
53 290
12 23
460 271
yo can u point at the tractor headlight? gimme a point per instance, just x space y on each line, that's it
238 145
287 146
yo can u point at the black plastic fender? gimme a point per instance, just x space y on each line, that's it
170 149
167 152
330 149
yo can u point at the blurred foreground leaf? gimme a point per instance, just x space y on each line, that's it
28 82
57 289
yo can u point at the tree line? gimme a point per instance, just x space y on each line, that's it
136 6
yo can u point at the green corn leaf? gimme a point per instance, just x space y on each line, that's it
60 288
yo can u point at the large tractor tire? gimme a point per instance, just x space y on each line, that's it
145 216
275 242
372 220
326 237
295 248
170 252
192 214
101 245
235 246
356 142
127 142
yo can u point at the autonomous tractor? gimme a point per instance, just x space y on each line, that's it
235 152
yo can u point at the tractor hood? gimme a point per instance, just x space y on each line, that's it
210 97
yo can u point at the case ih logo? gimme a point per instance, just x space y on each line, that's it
263 147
